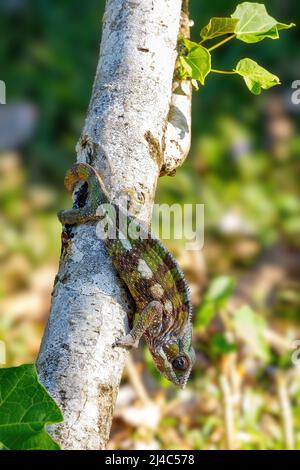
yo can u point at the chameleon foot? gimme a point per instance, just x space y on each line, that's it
126 341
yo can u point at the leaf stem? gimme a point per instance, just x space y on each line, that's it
224 72
222 42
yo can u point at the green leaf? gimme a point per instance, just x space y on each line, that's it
2 446
197 61
255 24
250 327
255 76
218 27
25 408
188 45
220 289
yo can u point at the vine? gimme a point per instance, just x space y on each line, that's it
249 23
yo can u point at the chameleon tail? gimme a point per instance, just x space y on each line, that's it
86 173
97 194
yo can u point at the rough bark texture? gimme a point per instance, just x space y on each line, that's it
124 139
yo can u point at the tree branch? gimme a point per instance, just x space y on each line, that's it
123 138
178 129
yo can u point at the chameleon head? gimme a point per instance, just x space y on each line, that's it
175 357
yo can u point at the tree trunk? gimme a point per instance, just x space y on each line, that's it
135 110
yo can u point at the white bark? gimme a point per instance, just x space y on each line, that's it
178 130
123 138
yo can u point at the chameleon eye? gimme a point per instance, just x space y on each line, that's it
180 363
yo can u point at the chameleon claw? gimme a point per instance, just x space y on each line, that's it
126 341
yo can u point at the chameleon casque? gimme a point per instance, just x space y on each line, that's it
151 274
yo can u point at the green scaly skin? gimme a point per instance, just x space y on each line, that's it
151 274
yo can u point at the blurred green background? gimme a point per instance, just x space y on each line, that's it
244 166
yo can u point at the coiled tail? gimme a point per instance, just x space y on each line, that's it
96 194
86 173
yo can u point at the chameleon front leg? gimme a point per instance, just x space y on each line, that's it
149 318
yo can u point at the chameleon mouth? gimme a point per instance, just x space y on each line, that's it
182 383
183 380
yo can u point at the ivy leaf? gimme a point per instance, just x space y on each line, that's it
196 62
250 327
255 76
25 409
218 27
255 24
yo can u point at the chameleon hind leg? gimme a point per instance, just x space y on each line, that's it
77 216
149 319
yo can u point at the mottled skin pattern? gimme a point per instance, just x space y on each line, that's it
151 274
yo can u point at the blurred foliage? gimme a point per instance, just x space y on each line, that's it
244 166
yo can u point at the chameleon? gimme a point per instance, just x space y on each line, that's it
150 272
